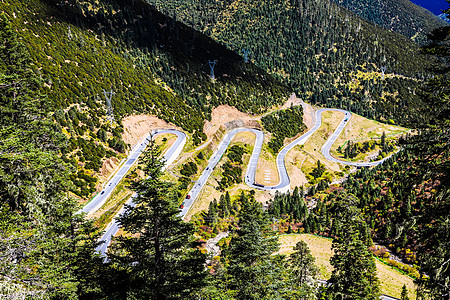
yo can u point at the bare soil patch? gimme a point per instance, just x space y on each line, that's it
229 118
137 126
294 162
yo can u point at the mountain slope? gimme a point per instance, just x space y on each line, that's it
325 53
152 63
84 46
400 16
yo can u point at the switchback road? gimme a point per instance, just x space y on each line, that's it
175 150
284 183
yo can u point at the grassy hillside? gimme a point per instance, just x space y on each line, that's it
152 63
327 54
391 280
400 16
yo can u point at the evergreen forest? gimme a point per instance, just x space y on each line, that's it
59 60
326 54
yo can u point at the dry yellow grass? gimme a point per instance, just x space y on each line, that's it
266 171
294 162
170 139
360 129
209 192
391 280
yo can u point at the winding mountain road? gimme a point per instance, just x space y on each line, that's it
174 151
284 183
101 197
217 156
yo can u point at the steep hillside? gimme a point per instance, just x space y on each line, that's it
325 53
400 16
152 63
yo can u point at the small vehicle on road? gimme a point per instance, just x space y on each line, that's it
182 205
188 197
102 192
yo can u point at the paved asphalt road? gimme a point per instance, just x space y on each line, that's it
330 141
284 183
171 154
101 197
175 150
216 157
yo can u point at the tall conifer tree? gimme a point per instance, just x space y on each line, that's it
158 252
354 274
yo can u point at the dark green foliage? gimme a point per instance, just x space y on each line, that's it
354 271
235 154
318 171
318 49
401 16
80 48
283 124
232 169
189 169
352 149
200 155
212 214
160 258
47 252
432 148
101 134
117 144
83 184
225 205
251 264
404 295
289 204
248 269
128 51
303 270
230 175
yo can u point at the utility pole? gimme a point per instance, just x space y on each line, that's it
246 53
69 34
109 111
383 70
212 64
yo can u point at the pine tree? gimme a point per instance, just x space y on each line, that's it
254 272
212 215
383 142
404 295
354 273
302 265
159 254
